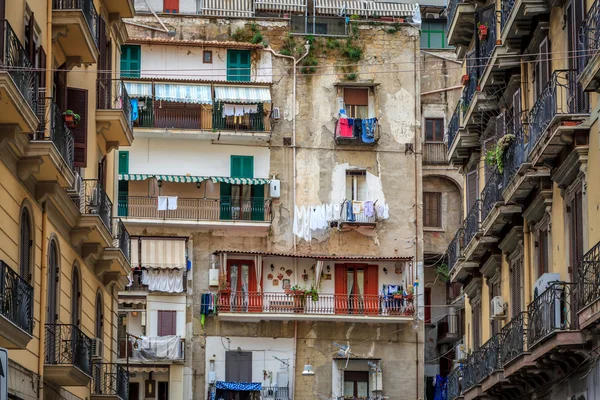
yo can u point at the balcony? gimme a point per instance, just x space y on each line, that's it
109 382
588 287
472 372
56 152
18 83
114 261
460 140
349 219
68 356
158 349
367 133
492 374
455 251
434 153
514 354
553 325
518 18
124 8
461 18
275 393
74 31
448 330
114 114
495 215
589 78
94 228
454 384
240 306
16 309
555 117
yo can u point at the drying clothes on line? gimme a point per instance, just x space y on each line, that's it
383 211
134 109
208 305
162 203
161 280
368 130
357 128
357 207
369 209
297 221
345 129
349 213
329 212
228 110
172 202
337 211
251 109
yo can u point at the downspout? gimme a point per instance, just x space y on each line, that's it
295 357
48 72
43 301
416 263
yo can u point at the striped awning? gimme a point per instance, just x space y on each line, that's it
180 93
280 5
194 179
393 9
364 8
227 8
238 94
138 89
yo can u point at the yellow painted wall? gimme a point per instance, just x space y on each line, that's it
468 325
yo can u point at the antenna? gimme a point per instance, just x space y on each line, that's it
284 362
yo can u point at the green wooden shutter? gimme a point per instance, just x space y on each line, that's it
236 167
123 162
242 167
238 65
123 194
131 61
258 202
225 201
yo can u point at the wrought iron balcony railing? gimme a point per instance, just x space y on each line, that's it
16 301
454 124
472 371
490 357
588 278
515 155
275 393
88 10
513 342
507 7
120 100
15 60
552 311
110 380
95 201
487 17
455 249
60 135
451 11
122 238
471 86
347 215
453 384
68 345
472 223
590 33
491 194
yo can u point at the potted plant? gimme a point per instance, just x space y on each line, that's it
397 294
409 293
224 294
443 273
299 296
71 118
482 31
464 80
495 157
312 293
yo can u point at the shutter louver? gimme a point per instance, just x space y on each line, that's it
166 323
25 247
77 101
471 189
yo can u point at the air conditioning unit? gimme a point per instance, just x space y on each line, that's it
276 114
578 396
432 16
544 282
498 310
97 348
213 277
460 352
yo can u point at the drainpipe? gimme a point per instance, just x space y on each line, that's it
43 301
296 61
48 72
416 263
295 357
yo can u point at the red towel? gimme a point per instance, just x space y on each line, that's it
345 128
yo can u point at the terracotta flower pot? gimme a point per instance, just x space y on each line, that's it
70 121
465 79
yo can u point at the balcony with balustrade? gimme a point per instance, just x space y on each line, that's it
124 8
114 113
588 288
589 37
18 83
16 309
454 384
151 349
495 214
109 382
75 31
518 17
461 141
114 261
68 355
461 19
455 251
557 116
514 352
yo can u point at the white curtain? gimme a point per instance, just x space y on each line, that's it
258 269
233 279
360 281
245 273
318 272
223 263
169 281
163 253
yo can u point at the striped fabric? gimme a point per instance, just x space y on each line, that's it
393 9
240 181
138 89
194 179
227 8
280 5
364 8
180 93
237 94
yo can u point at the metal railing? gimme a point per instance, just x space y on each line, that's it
318 26
371 136
15 60
553 310
68 345
490 357
254 122
16 298
472 371
472 223
171 115
455 249
589 37
275 393
487 17
507 7
588 278
60 136
491 194
224 209
324 304
454 124
453 383
95 201
513 342
451 10
88 10
434 153
157 348
110 380
122 239
471 87
515 155
447 326
120 100
361 217
556 98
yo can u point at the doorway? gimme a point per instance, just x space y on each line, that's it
163 391
134 391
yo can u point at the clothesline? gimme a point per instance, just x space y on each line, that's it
167 203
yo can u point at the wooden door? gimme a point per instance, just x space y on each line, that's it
372 290
238 366
134 391
167 323
427 305
341 303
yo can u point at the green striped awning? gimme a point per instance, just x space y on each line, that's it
138 89
194 179
242 94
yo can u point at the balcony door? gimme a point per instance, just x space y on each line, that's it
241 276
356 289
52 309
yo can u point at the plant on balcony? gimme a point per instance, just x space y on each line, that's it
482 31
495 156
71 118
464 80
299 295
443 273
313 293
224 285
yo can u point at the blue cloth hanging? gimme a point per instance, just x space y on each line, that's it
441 389
368 130
239 386
134 109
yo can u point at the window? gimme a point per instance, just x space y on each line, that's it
238 366
476 323
131 56
356 384
355 281
171 6
434 129
242 202
75 297
238 65
356 102
53 271
433 35
516 283
77 100
494 285
575 221
25 245
99 317
241 276
471 189
542 68
242 167
356 185
432 209
543 244
207 57
167 323
123 196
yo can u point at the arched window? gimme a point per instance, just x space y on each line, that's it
53 266
99 316
75 297
25 244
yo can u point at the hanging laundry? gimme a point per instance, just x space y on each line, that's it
337 211
349 214
297 221
162 203
134 109
329 212
369 209
357 128
251 108
239 111
228 110
306 224
172 202
321 218
368 130
357 207
345 129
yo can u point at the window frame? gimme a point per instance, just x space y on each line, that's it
76 296
426 215
355 174
131 73
208 53
436 137
159 329
426 32
25 266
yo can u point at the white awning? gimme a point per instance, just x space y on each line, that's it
242 94
280 5
180 93
393 9
135 246
364 8
163 253
138 89
228 8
